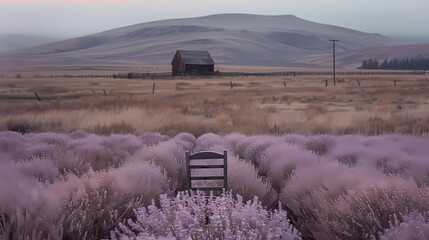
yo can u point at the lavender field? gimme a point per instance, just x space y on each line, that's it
87 186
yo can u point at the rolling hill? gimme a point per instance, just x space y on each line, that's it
237 39
10 42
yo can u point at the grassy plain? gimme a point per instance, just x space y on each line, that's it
255 105
81 185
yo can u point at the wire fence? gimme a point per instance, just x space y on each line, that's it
168 75
154 88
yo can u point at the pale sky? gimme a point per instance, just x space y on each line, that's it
73 18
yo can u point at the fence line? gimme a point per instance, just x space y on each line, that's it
19 75
168 75
39 96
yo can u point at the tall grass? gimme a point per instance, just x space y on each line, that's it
207 105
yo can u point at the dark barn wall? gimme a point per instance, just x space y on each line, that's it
178 65
192 64
198 69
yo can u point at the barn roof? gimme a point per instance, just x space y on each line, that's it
196 57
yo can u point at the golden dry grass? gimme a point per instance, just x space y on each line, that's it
256 105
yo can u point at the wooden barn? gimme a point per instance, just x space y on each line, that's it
192 62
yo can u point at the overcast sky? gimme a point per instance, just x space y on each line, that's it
72 18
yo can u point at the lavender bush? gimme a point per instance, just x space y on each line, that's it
414 226
197 217
367 212
81 185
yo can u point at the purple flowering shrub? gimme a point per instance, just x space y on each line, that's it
72 186
27 210
414 226
82 185
196 216
365 213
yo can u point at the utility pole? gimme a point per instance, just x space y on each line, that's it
333 56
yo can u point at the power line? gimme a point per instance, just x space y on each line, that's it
333 58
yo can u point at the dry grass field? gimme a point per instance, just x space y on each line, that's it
74 184
255 105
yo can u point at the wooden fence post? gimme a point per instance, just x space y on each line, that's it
231 84
153 88
394 82
104 91
326 83
358 82
284 83
37 96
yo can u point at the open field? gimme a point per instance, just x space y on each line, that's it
71 175
254 105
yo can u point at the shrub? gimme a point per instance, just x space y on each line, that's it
197 217
312 189
320 145
333 187
27 210
414 226
280 161
252 148
207 142
244 180
170 157
151 139
368 212
97 201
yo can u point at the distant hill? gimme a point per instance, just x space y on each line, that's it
238 39
15 41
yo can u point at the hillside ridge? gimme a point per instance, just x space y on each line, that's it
233 39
